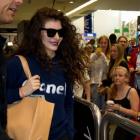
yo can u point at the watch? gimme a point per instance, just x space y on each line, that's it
138 116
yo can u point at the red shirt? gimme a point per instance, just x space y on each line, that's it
133 57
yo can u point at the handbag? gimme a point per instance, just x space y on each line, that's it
30 118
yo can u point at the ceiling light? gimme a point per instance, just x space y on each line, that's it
10 43
71 2
80 7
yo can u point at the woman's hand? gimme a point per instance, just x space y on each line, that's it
131 70
102 90
138 71
31 85
113 107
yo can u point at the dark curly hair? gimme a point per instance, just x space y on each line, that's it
72 58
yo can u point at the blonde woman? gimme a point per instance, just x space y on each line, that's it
98 72
104 43
126 99
116 59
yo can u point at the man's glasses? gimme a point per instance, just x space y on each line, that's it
52 32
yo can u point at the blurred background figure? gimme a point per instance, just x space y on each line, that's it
104 43
91 44
131 46
122 40
11 47
134 67
113 39
98 72
81 40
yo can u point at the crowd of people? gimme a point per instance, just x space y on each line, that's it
113 52
114 72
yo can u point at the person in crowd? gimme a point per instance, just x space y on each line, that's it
98 72
104 43
122 40
83 90
91 44
52 50
10 47
113 39
134 66
132 44
126 99
82 41
88 49
116 59
8 8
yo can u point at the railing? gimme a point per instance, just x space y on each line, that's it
112 118
95 118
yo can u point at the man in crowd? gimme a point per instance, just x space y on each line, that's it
8 8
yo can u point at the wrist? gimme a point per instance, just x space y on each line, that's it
138 116
119 108
21 93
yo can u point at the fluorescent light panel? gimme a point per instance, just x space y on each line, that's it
80 7
71 2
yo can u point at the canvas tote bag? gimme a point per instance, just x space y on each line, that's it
30 118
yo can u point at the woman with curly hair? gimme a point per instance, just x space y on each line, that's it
56 62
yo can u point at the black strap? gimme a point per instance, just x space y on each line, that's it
128 92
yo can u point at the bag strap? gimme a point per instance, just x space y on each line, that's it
25 66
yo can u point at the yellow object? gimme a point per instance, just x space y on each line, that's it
128 58
98 50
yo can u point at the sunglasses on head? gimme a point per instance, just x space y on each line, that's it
52 32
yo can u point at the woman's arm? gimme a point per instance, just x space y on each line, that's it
15 78
87 90
134 102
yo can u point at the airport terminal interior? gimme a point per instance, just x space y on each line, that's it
106 102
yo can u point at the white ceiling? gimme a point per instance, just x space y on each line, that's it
30 6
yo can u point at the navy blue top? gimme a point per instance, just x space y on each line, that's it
54 87
3 101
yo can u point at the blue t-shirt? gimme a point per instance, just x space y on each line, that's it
55 87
